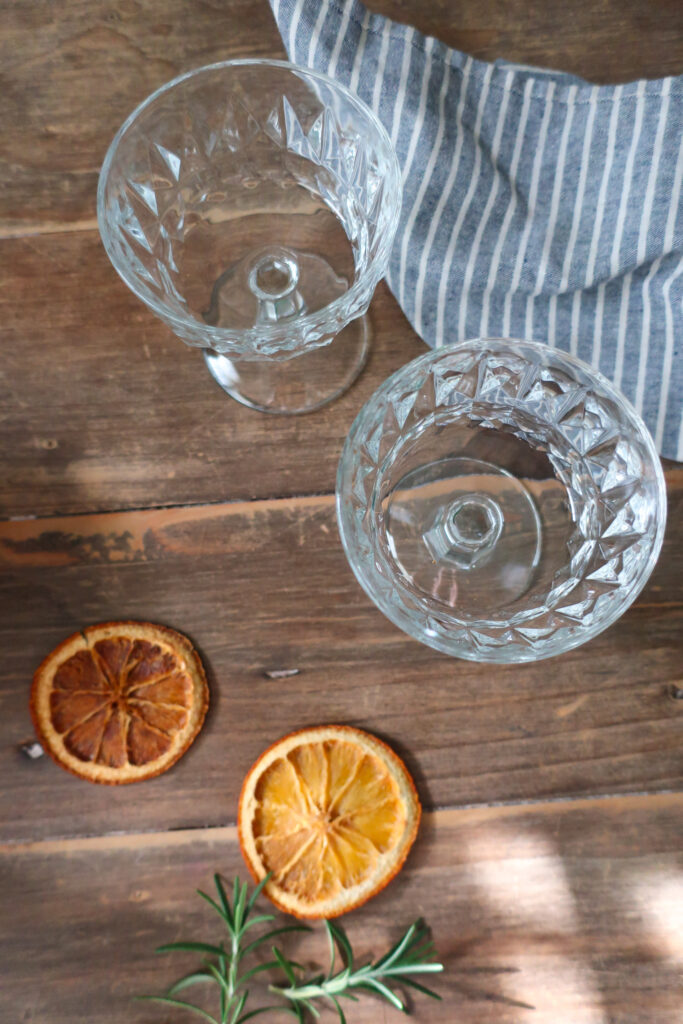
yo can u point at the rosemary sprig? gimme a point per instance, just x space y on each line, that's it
221 965
222 968
409 956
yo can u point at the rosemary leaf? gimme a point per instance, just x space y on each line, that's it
396 950
236 890
212 903
342 1018
196 978
420 988
239 1006
269 935
285 965
333 949
378 986
239 905
259 919
220 980
248 975
179 1004
312 1008
338 933
225 902
268 1009
257 892
409 968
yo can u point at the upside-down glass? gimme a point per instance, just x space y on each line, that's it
500 501
252 206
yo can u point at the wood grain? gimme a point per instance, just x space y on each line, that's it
104 408
265 586
601 40
543 914
72 73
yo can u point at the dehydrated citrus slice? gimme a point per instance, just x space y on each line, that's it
119 702
332 813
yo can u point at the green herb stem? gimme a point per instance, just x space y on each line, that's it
409 956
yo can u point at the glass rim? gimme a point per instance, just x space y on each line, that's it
366 574
269 331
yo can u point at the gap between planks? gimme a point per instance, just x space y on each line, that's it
22 229
27 525
136 523
443 817
673 473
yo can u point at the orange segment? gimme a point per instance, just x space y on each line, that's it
111 656
70 707
113 751
331 812
79 672
119 702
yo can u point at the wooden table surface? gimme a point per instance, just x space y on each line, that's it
549 861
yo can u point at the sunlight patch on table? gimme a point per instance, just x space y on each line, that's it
527 890
660 901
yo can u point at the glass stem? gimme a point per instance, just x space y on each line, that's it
274 280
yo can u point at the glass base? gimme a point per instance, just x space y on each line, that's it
298 385
464 533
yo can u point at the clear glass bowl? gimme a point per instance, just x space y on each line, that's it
252 206
500 501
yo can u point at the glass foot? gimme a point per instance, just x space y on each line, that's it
298 385
465 533
277 285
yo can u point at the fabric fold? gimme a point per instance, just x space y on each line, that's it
535 205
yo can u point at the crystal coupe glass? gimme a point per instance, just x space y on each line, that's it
500 501
252 206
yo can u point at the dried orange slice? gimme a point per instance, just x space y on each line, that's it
332 813
119 702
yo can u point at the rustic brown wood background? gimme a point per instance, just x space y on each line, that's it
549 863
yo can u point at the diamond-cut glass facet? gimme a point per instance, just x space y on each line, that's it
256 150
568 461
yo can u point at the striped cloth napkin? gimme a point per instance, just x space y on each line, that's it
535 205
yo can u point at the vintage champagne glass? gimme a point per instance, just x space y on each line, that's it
500 501
252 206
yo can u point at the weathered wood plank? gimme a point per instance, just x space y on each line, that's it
547 914
104 408
72 73
607 41
265 586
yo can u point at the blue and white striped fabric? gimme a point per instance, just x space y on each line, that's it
535 204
